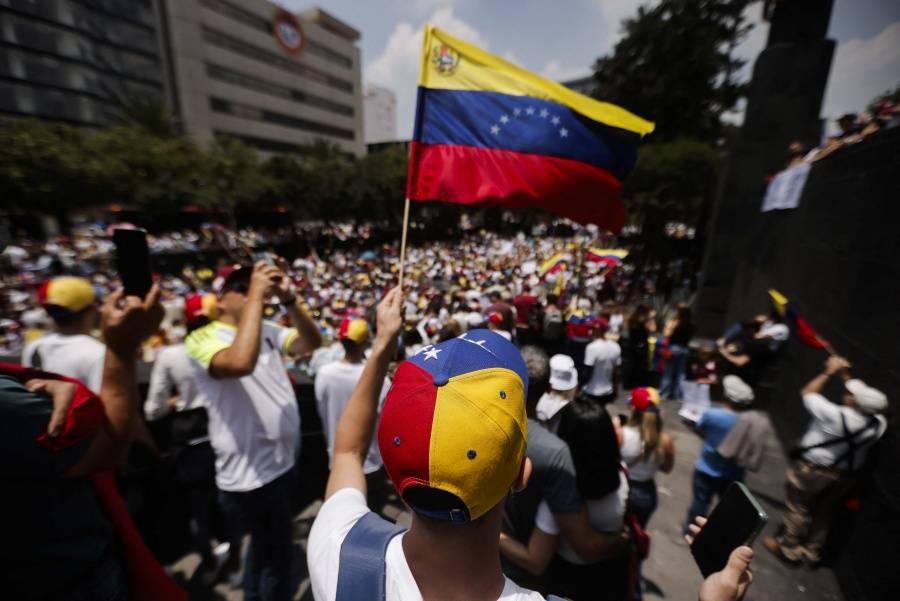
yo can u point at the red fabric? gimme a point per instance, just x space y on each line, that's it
491 177
406 417
806 334
85 413
146 579
524 304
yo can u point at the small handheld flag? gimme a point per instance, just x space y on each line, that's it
608 256
796 322
490 133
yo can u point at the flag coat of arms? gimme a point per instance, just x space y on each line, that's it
490 133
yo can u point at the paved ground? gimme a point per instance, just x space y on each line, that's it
670 570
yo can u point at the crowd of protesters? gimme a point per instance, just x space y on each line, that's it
526 330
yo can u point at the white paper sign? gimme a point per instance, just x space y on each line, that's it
786 188
696 400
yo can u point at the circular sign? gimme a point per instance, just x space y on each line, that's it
288 31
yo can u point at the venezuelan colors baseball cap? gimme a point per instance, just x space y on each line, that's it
453 430
66 295
354 330
645 398
198 307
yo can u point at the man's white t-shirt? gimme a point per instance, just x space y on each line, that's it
827 425
335 519
334 385
254 423
604 356
78 356
172 368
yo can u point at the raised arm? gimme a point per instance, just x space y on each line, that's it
357 423
310 338
239 359
124 328
833 365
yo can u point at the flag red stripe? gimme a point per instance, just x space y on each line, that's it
487 176
806 334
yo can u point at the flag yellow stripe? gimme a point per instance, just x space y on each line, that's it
612 252
478 70
780 302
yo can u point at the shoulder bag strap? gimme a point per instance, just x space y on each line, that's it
361 571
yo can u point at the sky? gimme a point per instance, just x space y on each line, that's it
560 39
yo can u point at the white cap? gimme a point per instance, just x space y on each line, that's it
563 375
736 390
585 303
868 399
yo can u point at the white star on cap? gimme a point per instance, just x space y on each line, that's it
563 132
529 110
495 130
504 119
544 113
555 120
517 111
432 353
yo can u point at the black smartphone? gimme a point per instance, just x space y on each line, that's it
133 261
735 521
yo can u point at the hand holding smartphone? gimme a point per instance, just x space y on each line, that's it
133 261
735 521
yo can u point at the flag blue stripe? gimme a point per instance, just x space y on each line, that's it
521 124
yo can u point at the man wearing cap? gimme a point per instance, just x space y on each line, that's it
452 435
831 453
194 459
563 383
335 383
713 472
70 350
254 424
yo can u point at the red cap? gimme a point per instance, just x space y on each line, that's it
200 306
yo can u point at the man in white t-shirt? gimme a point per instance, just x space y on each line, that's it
70 350
832 451
334 384
602 359
254 424
448 461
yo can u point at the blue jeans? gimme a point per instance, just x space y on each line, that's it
266 514
704 487
673 375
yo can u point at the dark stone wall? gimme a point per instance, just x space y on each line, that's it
837 256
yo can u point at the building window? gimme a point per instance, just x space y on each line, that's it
256 22
263 143
266 87
227 42
220 105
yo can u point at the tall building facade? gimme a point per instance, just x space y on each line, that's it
275 80
380 109
77 61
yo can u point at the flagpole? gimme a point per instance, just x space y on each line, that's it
403 241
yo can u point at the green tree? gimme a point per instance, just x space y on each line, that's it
675 65
149 114
232 177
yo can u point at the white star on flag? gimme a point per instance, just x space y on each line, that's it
504 119
529 110
544 113
555 120
432 353
495 130
563 132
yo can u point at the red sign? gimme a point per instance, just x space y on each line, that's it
288 31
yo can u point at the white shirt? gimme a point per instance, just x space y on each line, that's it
254 424
334 385
549 405
606 514
79 356
826 425
604 356
172 368
639 469
335 519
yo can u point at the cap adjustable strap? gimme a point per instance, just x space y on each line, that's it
457 516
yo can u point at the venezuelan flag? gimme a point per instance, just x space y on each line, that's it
490 133
607 256
796 322
555 263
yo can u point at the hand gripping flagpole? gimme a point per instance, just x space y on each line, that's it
403 241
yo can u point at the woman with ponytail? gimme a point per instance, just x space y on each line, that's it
645 449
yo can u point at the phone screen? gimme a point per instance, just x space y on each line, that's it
133 261
735 521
